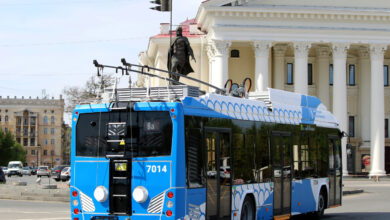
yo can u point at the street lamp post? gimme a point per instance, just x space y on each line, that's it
38 156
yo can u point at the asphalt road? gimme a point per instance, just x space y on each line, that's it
373 204
28 210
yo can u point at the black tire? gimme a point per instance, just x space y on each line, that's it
321 206
248 210
38 176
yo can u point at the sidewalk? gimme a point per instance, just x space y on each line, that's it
35 191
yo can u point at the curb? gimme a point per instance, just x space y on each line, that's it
351 192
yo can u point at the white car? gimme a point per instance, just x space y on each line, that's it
27 171
65 174
43 171
15 168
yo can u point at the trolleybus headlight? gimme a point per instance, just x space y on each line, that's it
169 204
100 194
140 194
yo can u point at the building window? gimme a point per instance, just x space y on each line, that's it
25 131
32 131
6 118
45 152
352 126
289 73
52 130
52 141
52 111
6 130
19 121
45 120
45 130
310 74
52 152
386 128
18 140
351 81
52 119
235 53
25 121
32 142
32 120
25 142
45 142
386 74
32 152
331 74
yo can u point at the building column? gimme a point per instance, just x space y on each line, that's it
364 95
377 111
261 64
340 94
279 65
301 50
210 54
220 65
323 74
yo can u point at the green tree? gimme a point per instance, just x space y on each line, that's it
10 150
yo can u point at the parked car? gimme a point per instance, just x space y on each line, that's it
43 171
65 174
2 176
26 171
34 170
56 172
5 170
15 168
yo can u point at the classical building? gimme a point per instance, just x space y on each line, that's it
336 50
37 125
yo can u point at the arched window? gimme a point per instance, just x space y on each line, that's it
235 53
6 118
45 120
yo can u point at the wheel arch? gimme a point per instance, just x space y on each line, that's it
249 194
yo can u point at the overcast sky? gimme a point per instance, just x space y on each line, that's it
50 44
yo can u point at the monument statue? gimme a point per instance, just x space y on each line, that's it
179 56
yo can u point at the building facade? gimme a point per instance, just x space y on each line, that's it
336 50
37 125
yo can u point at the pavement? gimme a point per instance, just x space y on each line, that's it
26 188
16 190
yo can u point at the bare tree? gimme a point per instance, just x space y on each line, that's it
75 95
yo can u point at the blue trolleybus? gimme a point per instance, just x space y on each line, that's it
270 156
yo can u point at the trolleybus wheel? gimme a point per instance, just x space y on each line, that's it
321 206
247 210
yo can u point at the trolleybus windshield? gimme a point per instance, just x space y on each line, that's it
142 134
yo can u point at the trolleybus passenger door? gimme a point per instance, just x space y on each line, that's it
281 164
218 170
335 170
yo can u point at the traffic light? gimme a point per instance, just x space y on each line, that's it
162 5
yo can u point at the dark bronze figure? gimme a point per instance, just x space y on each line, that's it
179 56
